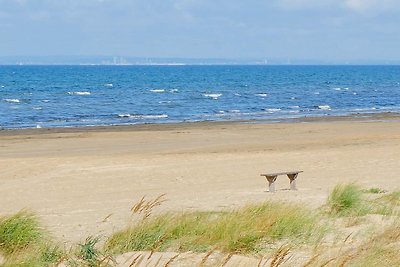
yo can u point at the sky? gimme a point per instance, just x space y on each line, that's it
293 29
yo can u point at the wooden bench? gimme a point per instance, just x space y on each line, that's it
271 178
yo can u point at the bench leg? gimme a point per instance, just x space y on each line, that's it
292 178
271 183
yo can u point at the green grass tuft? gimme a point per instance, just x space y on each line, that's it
346 199
242 231
374 190
19 231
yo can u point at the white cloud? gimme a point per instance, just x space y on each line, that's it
359 6
369 5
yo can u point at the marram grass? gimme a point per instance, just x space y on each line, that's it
19 231
346 199
246 230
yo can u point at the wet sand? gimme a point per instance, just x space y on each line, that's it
84 181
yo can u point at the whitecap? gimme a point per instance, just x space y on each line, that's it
37 108
79 93
237 94
157 90
173 90
316 93
139 116
12 100
165 102
294 106
38 126
234 110
354 93
108 85
45 100
2 86
213 96
127 115
324 107
262 94
337 88
272 109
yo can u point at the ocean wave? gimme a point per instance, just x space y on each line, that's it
213 96
272 109
157 90
12 100
142 117
324 107
262 94
173 90
364 109
79 93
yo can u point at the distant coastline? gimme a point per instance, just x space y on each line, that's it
151 61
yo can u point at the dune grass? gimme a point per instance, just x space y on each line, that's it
240 231
19 231
352 201
380 250
346 199
374 190
24 242
252 230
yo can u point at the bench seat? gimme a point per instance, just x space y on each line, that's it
271 178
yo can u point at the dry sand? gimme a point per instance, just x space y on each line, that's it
75 178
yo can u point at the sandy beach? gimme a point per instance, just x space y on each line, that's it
84 181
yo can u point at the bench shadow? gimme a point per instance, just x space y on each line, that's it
276 190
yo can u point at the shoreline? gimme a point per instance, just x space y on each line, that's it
356 117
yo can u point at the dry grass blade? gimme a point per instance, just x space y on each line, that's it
345 240
346 260
280 256
260 261
158 261
136 208
227 259
107 217
107 260
151 254
327 262
171 260
135 260
145 207
311 260
205 258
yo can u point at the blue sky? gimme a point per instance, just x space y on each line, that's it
296 29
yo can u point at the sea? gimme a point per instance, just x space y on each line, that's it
75 96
